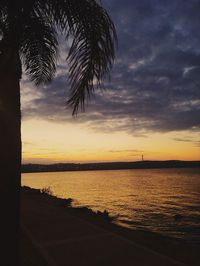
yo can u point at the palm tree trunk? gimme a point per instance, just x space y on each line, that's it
10 164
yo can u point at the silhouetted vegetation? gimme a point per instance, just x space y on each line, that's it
46 190
84 212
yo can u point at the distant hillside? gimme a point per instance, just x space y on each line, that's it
28 168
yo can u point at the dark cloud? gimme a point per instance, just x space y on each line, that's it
155 83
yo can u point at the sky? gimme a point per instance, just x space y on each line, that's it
150 105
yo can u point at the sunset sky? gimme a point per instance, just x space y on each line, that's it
151 104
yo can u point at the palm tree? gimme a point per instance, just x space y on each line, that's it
29 41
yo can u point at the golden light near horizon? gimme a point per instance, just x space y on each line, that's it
50 142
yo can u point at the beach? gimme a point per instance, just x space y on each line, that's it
53 233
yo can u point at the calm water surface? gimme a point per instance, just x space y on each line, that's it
145 199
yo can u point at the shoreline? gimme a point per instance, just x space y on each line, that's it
61 167
173 248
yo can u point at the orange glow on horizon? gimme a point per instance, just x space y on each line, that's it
48 142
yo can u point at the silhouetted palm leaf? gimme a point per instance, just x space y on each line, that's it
38 49
33 26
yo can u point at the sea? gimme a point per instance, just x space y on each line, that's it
166 201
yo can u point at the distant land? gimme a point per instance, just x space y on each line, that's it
31 168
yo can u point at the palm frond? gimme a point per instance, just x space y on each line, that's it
39 48
92 51
93 48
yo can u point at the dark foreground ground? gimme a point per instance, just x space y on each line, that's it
55 234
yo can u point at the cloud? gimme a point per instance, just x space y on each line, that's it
188 139
155 82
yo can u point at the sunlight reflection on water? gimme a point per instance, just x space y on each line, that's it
146 199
